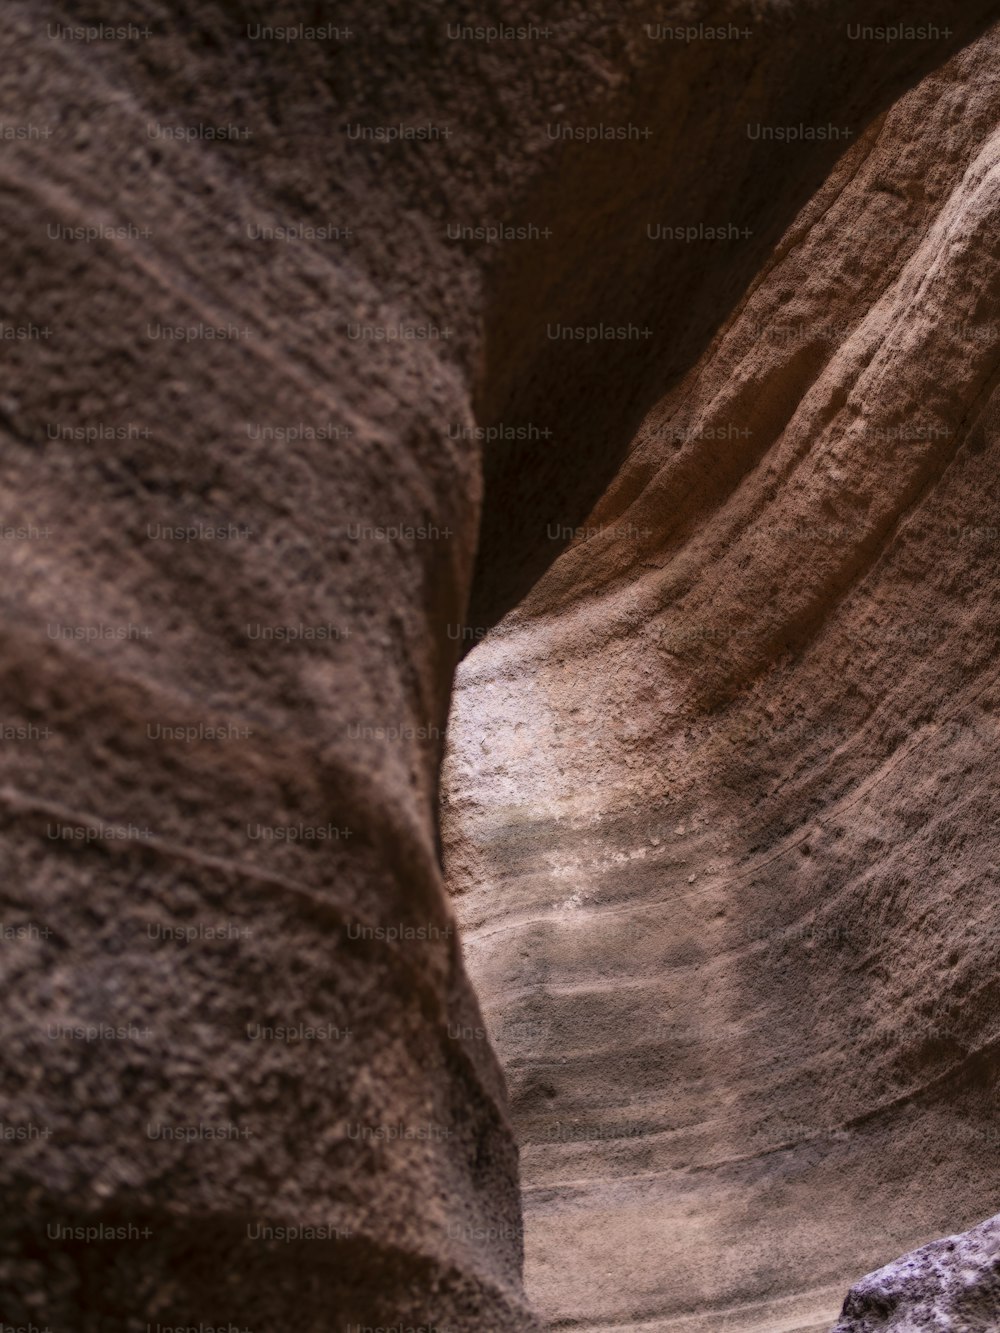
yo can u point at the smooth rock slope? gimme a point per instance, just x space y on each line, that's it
720 808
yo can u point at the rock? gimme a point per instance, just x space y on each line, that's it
771 634
247 452
949 1286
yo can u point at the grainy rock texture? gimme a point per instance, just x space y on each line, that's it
721 809
243 1078
951 1286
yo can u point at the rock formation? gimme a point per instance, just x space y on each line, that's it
720 805
253 378
951 1284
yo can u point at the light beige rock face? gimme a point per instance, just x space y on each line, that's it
721 815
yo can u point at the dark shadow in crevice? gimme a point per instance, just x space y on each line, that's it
704 162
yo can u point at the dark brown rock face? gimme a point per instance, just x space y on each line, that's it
229 1014
243 1076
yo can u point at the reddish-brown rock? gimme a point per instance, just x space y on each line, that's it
210 644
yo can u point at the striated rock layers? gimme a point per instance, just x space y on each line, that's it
250 367
721 813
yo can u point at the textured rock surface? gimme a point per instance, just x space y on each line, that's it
722 816
951 1286
149 883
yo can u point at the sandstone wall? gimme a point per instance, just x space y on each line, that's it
160 751
721 816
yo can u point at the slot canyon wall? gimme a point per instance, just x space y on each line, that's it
242 1077
721 814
